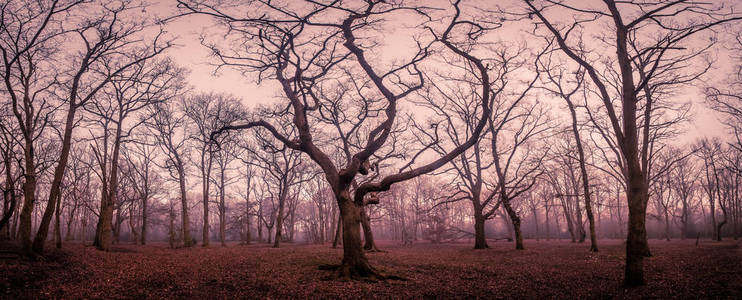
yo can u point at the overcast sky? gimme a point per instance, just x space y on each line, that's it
193 55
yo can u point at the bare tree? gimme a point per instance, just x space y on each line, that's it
300 46
650 42
728 100
146 181
12 175
556 77
145 83
207 113
169 127
454 100
78 185
111 43
249 191
661 192
30 33
562 189
718 182
228 150
685 186
283 169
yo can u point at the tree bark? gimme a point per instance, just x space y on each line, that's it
57 223
279 218
368 235
187 240
8 197
547 223
104 233
667 225
636 241
222 209
355 263
338 228
205 174
578 214
133 227
143 240
247 211
70 221
480 237
54 191
535 223
585 179
29 192
515 219
568 219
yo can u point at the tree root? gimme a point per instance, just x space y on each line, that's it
358 272
374 249
33 256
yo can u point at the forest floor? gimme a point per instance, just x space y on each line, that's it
556 269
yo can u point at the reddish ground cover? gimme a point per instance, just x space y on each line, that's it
543 270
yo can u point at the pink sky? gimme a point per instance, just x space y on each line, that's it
193 55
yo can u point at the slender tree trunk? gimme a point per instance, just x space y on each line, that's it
171 227
368 235
205 174
133 227
585 179
7 217
515 219
222 210
247 207
547 224
29 193
9 198
568 219
712 213
292 220
57 230
143 240
580 226
248 236
260 227
667 225
684 220
205 230
107 204
279 218
84 226
736 204
54 191
187 240
535 222
508 224
70 221
247 217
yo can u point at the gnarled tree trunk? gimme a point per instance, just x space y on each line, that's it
355 263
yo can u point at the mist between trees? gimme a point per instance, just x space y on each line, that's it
461 121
